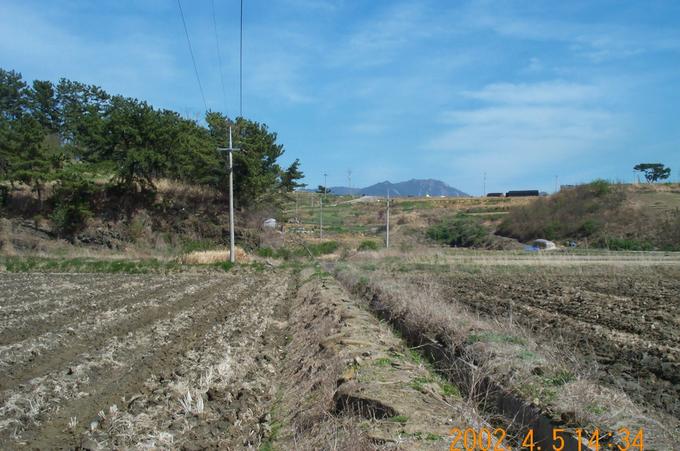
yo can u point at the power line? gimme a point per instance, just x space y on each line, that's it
191 51
219 56
240 64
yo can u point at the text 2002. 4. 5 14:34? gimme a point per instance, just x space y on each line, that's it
487 440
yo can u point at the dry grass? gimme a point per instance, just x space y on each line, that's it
176 188
213 256
506 353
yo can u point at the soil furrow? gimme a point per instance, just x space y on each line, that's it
89 305
67 346
164 364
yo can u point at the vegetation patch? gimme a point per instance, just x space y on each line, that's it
494 337
85 265
599 214
459 231
368 245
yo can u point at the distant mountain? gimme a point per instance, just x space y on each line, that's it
417 188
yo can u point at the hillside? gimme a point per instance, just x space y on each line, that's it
83 166
413 187
600 214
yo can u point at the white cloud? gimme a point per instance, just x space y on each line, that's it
523 128
382 39
597 42
550 92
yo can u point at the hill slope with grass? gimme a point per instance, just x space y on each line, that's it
602 214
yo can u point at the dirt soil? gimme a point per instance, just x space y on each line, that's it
625 322
248 359
113 361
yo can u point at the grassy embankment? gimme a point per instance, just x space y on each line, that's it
604 215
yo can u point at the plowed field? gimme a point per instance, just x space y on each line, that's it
128 360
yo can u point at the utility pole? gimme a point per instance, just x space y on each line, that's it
231 149
349 181
321 207
484 194
387 234
557 185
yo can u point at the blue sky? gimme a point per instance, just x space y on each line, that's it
524 91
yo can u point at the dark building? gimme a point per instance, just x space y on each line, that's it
522 193
495 195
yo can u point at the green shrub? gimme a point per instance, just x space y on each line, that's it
73 194
551 230
368 245
69 219
600 187
461 231
327 247
626 244
4 196
266 252
590 227
225 266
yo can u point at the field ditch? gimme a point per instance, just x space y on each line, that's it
250 359
496 358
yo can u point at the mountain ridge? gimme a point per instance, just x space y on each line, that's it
412 187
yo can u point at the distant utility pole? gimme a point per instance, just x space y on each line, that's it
484 194
231 149
321 206
557 183
349 181
387 234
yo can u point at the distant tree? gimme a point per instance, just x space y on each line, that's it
83 112
290 177
72 134
24 151
73 194
44 105
323 189
13 107
653 172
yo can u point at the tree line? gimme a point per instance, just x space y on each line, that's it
80 140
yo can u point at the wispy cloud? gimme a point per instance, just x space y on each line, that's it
546 92
595 41
524 128
384 37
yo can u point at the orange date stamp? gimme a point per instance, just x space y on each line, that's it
486 439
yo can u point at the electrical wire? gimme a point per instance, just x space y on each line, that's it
219 56
191 51
240 64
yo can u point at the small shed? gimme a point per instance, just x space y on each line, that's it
269 223
522 193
